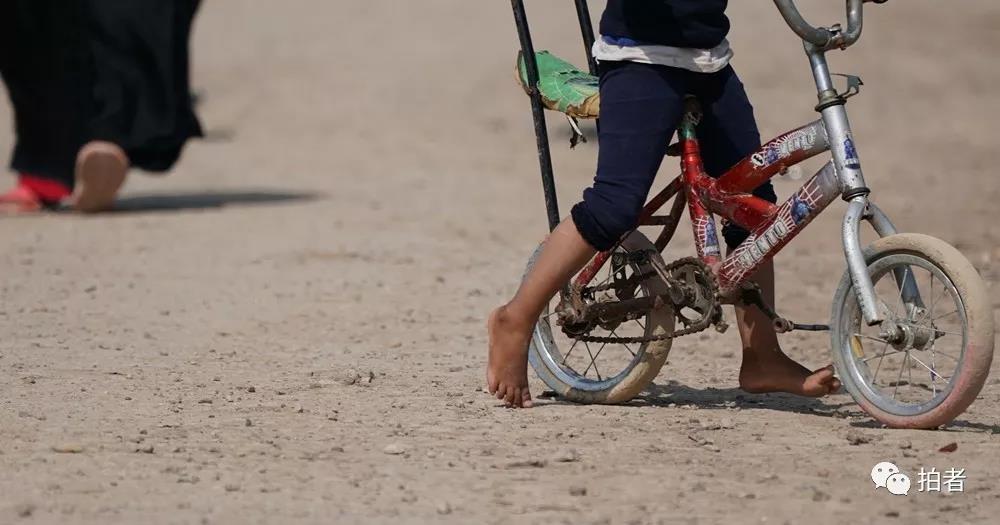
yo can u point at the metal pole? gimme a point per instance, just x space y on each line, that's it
538 114
587 30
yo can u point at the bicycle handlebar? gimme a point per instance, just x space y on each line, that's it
819 36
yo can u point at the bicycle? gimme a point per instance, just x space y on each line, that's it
909 305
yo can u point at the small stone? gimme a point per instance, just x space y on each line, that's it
819 495
68 448
394 449
568 455
205 401
892 514
905 445
251 389
350 377
444 508
147 449
248 423
856 437
950 447
25 510
528 463
232 487
577 491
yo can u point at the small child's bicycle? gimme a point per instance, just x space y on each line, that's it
912 325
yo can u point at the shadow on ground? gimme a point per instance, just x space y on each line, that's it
676 394
207 200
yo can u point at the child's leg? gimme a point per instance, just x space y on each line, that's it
510 326
728 134
641 106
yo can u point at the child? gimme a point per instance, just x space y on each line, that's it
652 53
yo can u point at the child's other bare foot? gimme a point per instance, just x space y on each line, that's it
507 371
773 371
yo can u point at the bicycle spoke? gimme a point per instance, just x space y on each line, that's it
565 357
901 286
909 375
945 315
593 361
613 334
933 365
894 352
863 336
900 378
931 370
930 312
879 366
596 371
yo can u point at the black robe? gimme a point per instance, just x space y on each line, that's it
80 70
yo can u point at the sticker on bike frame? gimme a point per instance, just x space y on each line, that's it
708 236
783 147
793 215
851 154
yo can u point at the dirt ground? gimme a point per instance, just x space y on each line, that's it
290 327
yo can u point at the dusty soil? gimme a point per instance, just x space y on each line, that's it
290 328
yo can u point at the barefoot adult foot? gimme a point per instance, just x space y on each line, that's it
101 168
507 370
773 371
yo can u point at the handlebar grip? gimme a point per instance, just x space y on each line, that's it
814 35
820 37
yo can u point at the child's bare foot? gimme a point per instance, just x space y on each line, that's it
507 371
773 371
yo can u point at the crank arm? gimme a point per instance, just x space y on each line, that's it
751 296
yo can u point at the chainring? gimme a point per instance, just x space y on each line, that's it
701 296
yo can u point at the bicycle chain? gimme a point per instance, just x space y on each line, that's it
664 271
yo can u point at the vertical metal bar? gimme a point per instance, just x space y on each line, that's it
587 30
909 292
856 263
537 113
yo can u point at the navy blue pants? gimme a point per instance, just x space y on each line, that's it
641 107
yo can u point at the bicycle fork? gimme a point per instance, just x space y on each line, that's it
832 107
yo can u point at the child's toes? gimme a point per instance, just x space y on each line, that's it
512 397
526 401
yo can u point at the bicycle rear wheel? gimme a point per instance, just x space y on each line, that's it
929 359
605 373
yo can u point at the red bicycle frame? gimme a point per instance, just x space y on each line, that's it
772 227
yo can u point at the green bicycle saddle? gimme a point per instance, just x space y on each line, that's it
563 87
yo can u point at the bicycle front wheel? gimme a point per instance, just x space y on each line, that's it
928 360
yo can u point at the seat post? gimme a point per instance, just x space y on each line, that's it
587 30
537 114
